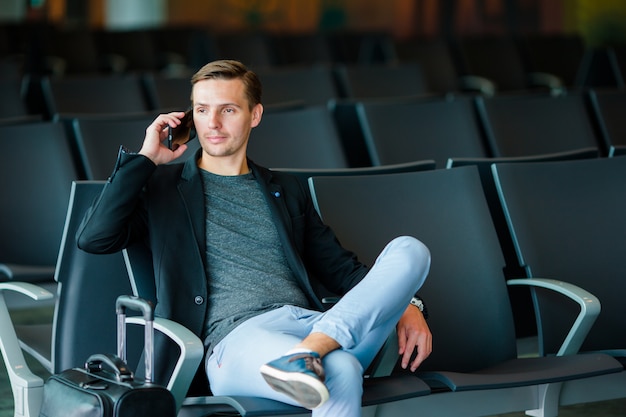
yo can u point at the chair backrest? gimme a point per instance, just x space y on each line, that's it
495 57
84 318
310 86
567 222
168 93
402 131
12 101
380 81
36 172
608 107
301 49
557 54
301 137
435 59
94 94
534 124
305 174
521 300
446 209
98 140
253 49
134 49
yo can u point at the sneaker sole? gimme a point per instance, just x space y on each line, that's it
308 391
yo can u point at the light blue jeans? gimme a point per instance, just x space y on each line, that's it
360 322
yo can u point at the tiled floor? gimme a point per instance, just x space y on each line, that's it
616 408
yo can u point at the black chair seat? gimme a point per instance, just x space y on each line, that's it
526 371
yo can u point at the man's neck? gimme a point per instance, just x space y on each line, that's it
224 166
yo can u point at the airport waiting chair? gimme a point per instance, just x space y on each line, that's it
12 100
434 57
305 174
364 82
93 94
84 312
465 290
36 171
498 59
308 86
168 93
130 50
297 137
301 49
98 139
561 55
252 48
536 124
520 297
617 151
410 130
567 223
608 107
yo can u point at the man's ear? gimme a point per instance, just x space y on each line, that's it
257 114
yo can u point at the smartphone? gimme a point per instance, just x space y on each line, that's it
183 133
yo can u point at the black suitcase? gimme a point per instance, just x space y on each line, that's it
105 386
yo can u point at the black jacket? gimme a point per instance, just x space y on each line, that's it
164 207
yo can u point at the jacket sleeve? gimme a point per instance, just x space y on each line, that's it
118 218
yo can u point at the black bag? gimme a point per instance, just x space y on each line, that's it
105 386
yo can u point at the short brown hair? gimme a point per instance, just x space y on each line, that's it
228 70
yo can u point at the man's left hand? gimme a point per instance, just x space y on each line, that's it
413 333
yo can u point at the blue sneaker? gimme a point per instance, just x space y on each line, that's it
300 376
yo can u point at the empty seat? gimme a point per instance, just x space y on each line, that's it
435 59
567 223
534 124
168 93
12 100
253 49
558 54
81 326
403 131
305 85
110 94
301 137
608 108
98 140
380 81
36 176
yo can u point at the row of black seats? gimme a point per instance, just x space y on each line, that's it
488 62
566 221
359 133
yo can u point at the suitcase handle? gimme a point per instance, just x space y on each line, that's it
97 362
135 303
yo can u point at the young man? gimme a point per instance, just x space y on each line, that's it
235 247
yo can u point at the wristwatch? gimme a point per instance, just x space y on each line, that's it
419 303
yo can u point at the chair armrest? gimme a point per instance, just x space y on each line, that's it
589 309
26 386
545 79
478 84
26 273
191 353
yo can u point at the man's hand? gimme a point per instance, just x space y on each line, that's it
413 333
153 147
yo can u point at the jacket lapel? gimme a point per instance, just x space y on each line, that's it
190 189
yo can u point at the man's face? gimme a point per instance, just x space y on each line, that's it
222 117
